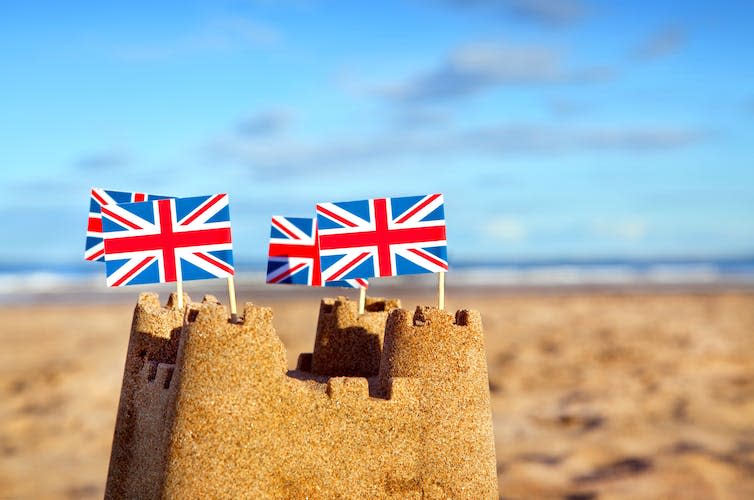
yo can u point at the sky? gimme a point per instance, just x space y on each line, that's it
567 129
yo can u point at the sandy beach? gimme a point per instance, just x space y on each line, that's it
594 395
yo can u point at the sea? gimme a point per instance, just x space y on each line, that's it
64 282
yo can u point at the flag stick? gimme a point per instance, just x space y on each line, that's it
362 299
179 292
441 291
232 298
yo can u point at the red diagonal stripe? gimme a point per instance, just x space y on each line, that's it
345 268
290 271
203 209
429 257
99 198
335 216
119 218
285 229
96 255
132 271
417 208
214 262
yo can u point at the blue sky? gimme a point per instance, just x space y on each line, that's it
569 129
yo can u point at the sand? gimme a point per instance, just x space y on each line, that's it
210 410
593 396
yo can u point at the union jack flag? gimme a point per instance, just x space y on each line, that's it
95 248
294 255
167 240
382 237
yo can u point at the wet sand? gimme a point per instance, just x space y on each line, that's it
622 395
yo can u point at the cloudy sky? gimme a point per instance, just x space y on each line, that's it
556 129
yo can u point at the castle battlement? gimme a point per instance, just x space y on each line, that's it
208 408
348 343
432 344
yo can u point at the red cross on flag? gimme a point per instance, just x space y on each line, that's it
382 237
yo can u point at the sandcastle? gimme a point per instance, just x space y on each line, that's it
389 404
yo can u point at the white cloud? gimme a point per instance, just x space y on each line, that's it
506 228
553 12
290 156
625 229
222 35
265 123
108 159
475 67
661 43
566 108
544 12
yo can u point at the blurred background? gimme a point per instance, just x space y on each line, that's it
596 159
560 131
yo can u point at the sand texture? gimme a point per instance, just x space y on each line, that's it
226 419
593 396
147 396
348 343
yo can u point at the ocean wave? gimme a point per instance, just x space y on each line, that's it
16 284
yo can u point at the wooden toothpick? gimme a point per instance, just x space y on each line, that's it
441 291
362 299
179 292
232 299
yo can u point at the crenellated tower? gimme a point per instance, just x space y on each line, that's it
220 416
443 356
349 344
148 390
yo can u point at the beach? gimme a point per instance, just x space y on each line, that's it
595 394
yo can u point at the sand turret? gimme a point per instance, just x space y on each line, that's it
433 344
444 356
230 421
348 343
146 398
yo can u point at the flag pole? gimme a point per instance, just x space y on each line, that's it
441 290
232 298
362 299
179 292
